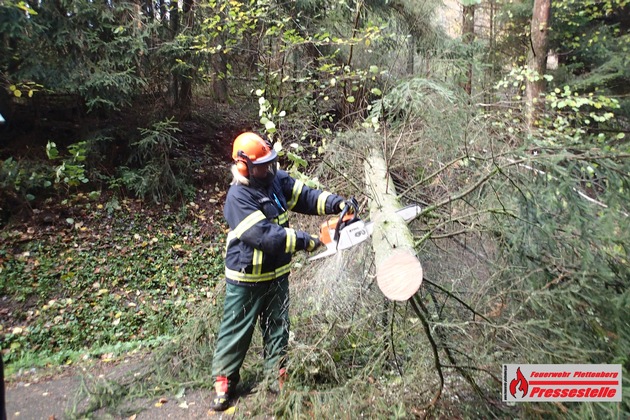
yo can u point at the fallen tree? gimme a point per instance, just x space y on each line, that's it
398 270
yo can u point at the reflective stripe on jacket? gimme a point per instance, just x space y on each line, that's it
260 242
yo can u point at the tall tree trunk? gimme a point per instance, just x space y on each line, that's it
493 53
412 54
185 92
468 36
219 82
537 59
174 24
149 10
163 10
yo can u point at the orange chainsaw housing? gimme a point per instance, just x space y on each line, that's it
327 229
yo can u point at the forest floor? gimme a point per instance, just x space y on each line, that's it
58 392
55 394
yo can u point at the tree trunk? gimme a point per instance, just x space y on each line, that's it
468 36
149 9
493 53
398 271
184 96
174 25
219 81
537 60
411 48
163 11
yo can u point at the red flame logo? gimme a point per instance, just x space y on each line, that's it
519 383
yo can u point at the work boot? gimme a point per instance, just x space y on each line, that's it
282 378
277 384
221 399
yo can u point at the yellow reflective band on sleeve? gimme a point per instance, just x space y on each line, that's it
295 194
321 202
253 278
257 262
248 222
282 219
291 241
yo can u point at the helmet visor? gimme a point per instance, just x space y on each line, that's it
264 169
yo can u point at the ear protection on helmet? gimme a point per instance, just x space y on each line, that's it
242 165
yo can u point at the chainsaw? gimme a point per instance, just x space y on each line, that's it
347 229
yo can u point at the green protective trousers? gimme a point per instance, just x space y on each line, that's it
266 302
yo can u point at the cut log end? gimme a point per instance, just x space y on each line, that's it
399 276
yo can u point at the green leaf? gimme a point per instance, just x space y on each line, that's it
51 150
297 160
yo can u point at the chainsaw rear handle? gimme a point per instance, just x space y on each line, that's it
349 214
351 202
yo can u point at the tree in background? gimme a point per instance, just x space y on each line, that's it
94 53
591 41
524 229
468 35
533 217
537 59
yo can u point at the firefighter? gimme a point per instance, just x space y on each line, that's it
259 247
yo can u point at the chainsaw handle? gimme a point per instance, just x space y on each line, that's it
346 218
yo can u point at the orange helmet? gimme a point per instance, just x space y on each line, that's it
250 149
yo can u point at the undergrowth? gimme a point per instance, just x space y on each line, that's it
103 281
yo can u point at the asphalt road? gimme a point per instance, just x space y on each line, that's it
55 396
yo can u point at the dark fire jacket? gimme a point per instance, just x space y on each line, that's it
260 242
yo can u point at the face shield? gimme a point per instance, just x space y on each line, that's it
263 171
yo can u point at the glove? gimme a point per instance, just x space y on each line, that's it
338 204
351 203
313 243
307 242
